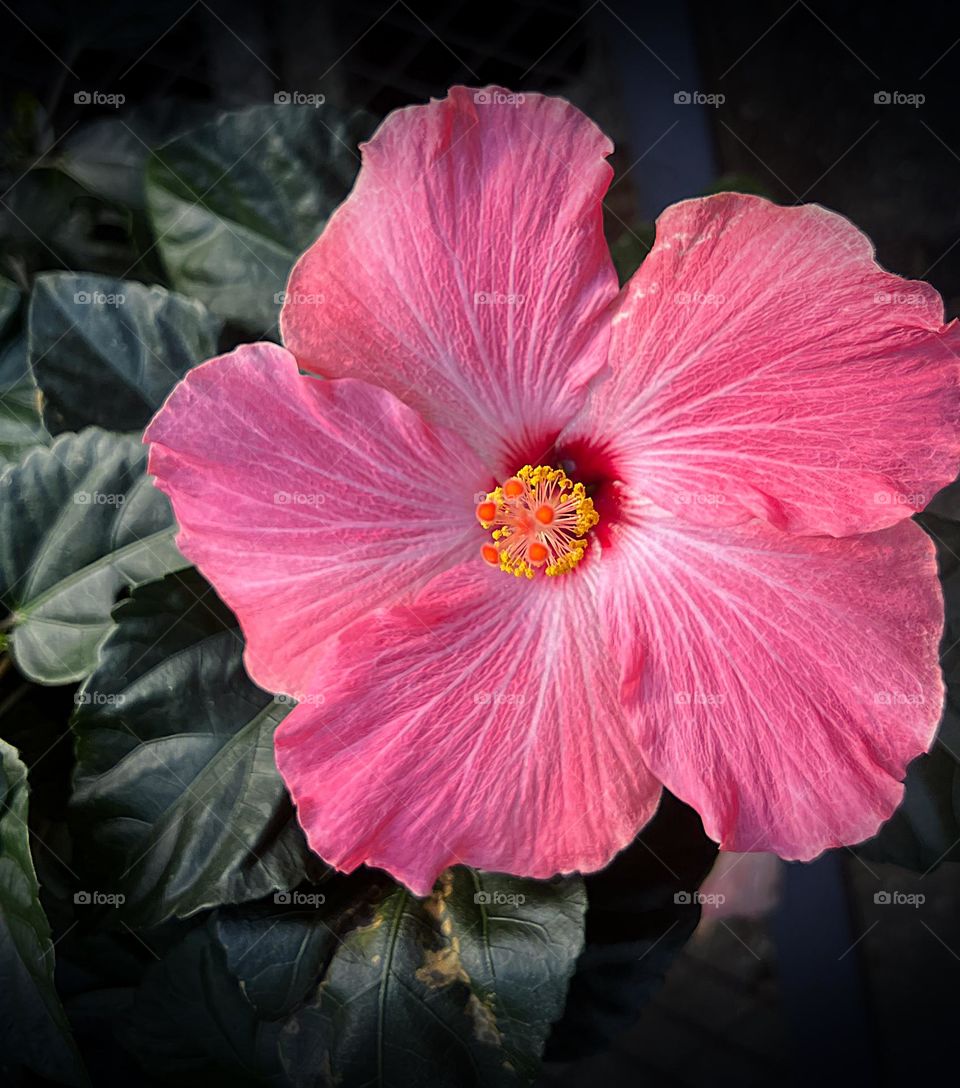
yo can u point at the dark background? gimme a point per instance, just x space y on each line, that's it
829 984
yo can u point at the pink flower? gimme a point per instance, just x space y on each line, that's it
735 603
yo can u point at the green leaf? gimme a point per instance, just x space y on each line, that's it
21 427
359 983
280 948
108 155
130 342
236 201
78 522
107 158
177 797
33 719
192 1024
455 990
9 303
34 1033
629 246
49 220
98 973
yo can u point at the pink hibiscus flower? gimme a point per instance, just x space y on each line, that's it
539 545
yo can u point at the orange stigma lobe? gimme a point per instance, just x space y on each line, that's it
539 521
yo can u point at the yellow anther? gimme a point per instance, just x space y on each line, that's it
540 520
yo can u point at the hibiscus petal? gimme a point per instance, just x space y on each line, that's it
467 269
767 366
307 503
481 726
789 679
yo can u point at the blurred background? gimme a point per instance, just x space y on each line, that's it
847 969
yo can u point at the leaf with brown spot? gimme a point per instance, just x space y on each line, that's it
452 991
